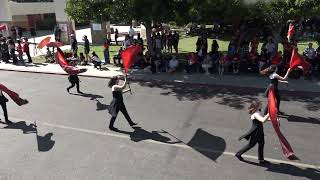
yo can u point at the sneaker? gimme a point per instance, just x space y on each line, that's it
264 162
68 90
114 129
239 157
9 122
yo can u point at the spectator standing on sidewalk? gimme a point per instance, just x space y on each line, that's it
26 49
169 42
5 56
57 34
126 42
131 34
106 52
20 52
116 35
13 33
12 50
20 32
86 47
311 54
175 41
74 45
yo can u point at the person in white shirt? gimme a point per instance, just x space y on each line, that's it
126 42
310 52
271 48
131 34
173 64
207 64
96 60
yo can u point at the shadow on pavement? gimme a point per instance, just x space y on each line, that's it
291 170
207 144
44 143
26 129
203 142
100 106
140 134
310 120
87 95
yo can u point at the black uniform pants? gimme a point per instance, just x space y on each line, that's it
251 144
73 84
124 111
5 112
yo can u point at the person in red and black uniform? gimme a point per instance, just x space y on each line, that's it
26 49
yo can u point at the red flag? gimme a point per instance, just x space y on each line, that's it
291 30
14 96
44 42
64 64
128 55
296 61
272 107
276 59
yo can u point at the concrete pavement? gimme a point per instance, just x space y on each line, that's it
211 119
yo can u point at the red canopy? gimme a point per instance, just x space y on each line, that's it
44 42
3 27
54 44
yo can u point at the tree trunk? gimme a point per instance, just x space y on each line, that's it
148 34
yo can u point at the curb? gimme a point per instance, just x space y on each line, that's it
195 85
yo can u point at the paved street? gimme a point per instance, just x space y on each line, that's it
186 132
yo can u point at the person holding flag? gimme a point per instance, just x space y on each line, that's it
117 103
255 134
274 79
3 101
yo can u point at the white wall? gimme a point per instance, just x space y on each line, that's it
58 7
31 8
5 14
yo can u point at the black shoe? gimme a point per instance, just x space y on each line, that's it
133 124
9 122
264 162
68 90
281 113
114 129
80 92
239 157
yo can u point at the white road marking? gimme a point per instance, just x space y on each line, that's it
175 145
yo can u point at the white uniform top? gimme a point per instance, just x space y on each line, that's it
257 113
273 75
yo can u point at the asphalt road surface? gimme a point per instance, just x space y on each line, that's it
186 132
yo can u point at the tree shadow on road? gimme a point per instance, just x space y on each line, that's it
234 97
291 170
310 120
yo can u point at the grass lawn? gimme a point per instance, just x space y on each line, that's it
186 45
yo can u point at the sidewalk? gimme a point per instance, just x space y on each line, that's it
196 79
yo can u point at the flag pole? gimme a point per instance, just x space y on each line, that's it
128 83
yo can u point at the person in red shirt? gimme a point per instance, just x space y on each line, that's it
106 52
27 50
20 52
